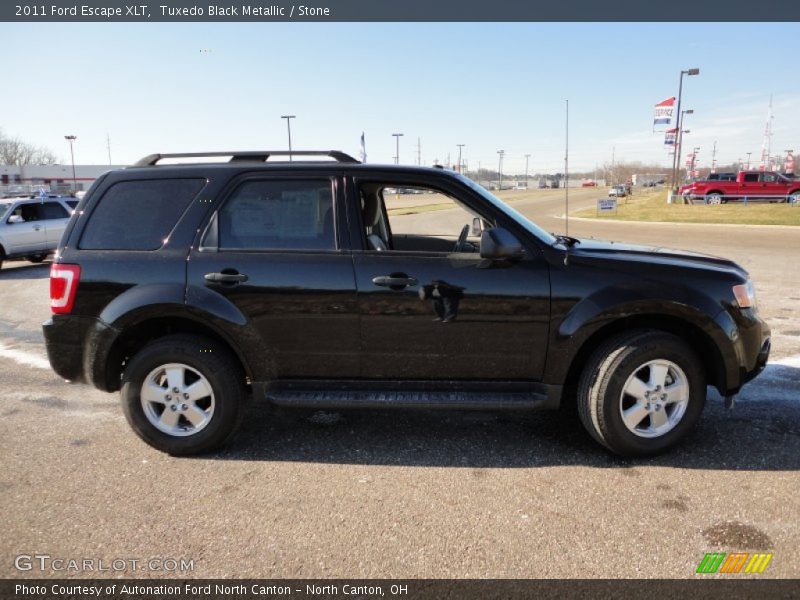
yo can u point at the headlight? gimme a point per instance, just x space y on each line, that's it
745 295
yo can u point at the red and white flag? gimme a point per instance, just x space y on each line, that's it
662 114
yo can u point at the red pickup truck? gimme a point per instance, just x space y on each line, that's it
748 185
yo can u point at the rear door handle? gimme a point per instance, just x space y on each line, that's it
225 277
394 281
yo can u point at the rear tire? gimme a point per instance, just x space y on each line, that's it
183 394
641 392
36 259
715 198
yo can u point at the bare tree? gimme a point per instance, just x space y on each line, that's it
14 151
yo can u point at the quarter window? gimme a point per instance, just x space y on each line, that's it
138 215
53 210
290 215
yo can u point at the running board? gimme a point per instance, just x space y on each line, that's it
363 394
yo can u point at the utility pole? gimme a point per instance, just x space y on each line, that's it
714 158
419 152
748 160
566 173
289 130
613 152
71 139
108 147
527 157
500 169
460 146
676 157
397 137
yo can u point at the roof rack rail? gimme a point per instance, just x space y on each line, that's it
248 156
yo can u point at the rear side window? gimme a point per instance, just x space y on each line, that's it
53 210
138 215
751 177
293 215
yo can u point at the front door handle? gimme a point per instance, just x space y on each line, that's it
396 281
226 276
37 227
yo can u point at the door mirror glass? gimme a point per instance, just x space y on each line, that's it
498 243
477 226
15 219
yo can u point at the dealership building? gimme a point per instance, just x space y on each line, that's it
57 178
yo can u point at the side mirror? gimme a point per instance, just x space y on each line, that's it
498 243
477 226
14 219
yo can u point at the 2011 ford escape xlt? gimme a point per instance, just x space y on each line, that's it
321 283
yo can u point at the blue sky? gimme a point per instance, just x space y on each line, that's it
489 86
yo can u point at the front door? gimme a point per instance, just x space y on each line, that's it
25 230
272 251
431 308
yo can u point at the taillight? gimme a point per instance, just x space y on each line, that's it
63 285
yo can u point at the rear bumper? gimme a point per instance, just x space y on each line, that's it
74 348
63 337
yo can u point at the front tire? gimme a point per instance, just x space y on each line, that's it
183 394
715 199
641 392
37 258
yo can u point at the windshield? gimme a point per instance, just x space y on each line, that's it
4 208
510 212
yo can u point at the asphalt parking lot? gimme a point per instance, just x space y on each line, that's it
413 494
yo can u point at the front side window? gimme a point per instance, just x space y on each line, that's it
416 219
278 215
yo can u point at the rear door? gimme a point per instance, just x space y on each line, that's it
751 185
55 218
277 247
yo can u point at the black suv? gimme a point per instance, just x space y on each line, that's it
316 283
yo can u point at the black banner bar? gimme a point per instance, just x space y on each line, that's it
711 588
393 10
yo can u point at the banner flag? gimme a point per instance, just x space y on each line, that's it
670 136
789 166
663 112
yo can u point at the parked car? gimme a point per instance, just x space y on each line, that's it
31 227
589 183
750 185
190 288
618 191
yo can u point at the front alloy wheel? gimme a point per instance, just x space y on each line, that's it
654 398
641 391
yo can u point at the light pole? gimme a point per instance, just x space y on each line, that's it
397 137
71 139
676 158
679 141
527 157
289 130
460 146
748 160
500 169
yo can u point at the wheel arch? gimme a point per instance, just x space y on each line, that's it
705 347
137 335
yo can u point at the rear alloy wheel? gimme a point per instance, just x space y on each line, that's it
183 394
794 198
641 392
714 199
